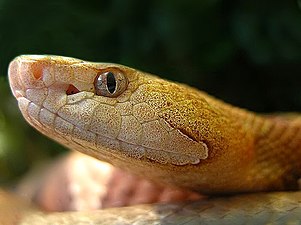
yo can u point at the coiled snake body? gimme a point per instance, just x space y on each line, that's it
168 132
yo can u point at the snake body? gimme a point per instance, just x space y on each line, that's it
168 132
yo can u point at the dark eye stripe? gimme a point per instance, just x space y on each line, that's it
111 82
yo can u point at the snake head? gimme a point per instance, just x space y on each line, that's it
98 105
126 117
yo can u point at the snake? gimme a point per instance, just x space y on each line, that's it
167 132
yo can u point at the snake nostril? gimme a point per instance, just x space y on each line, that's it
37 70
71 90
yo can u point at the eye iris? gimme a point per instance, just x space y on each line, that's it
111 82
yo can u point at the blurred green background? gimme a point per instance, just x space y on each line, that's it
246 52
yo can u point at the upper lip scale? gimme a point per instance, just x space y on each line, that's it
14 79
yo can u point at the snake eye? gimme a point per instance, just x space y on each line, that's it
110 84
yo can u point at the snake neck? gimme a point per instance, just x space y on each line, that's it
280 142
277 147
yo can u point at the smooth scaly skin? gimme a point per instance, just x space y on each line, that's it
203 143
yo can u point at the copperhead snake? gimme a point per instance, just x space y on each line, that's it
169 133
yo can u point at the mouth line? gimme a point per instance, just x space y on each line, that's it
44 129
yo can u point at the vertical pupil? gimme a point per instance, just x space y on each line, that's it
111 82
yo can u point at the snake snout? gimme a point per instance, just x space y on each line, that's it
14 79
25 72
